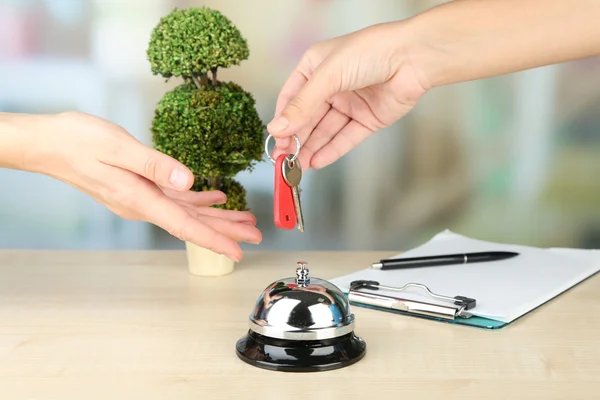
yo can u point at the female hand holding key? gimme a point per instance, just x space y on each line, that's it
347 88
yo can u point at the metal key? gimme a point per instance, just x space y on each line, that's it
292 173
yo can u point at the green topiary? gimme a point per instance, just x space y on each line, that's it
210 126
236 194
214 130
190 43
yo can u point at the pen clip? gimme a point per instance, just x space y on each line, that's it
463 303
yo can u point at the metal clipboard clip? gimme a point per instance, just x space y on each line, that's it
459 310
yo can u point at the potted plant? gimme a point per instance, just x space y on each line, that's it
210 126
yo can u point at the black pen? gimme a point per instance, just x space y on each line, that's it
450 259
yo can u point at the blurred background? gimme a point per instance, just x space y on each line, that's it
514 158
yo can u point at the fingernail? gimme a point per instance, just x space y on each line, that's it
178 178
277 125
232 258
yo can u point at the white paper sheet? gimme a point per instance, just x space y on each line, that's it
504 289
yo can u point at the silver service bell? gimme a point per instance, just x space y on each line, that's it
301 324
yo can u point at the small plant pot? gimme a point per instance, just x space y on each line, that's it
204 262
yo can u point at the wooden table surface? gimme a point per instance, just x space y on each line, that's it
136 325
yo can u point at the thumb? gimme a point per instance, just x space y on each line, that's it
298 112
153 165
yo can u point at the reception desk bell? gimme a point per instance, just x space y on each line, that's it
301 324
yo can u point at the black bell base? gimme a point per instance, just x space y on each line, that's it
300 356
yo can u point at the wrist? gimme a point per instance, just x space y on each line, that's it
466 40
411 49
16 137
430 51
21 141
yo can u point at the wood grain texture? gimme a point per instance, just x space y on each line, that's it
137 325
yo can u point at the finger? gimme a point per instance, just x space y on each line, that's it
160 210
348 138
244 217
237 231
304 134
153 165
299 76
299 112
280 145
204 199
290 88
134 197
360 107
325 131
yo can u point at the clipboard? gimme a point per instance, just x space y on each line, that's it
487 295
363 293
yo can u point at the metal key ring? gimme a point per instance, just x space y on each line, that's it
295 154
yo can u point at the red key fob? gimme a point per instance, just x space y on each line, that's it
283 205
